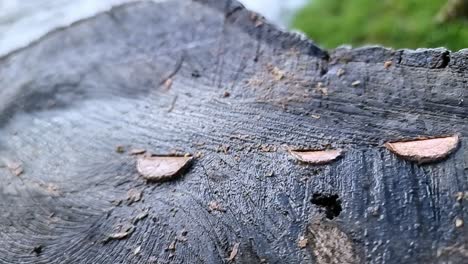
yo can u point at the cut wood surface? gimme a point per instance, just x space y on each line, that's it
241 94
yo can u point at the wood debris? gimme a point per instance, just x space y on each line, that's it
387 64
459 196
120 149
321 88
223 148
257 19
356 83
302 243
340 72
16 168
134 195
160 168
259 23
51 189
267 148
317 157
140 216
234 251
172 246
425 150
123 233
254 82
278 74
315 116
215 206
137 250
168 84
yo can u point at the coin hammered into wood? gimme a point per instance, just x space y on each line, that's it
425 150
242 188
160 168
319 157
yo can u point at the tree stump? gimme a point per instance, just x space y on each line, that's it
209 78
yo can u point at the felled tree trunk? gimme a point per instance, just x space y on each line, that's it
213 80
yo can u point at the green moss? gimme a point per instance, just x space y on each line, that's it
392 23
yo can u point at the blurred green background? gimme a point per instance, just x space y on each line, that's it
392 23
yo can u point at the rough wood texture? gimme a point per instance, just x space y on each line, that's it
67 102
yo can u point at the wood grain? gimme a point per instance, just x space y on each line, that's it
68 100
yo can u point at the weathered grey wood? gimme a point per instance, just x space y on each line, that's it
67 102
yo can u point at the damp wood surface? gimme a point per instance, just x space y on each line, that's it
154 76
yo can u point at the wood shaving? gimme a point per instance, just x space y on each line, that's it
267 148
277 73
234 251
215 206
168 84
320 87
123 233
140 216
302 243
16 168
172 246
223 148
387 64
340 72
459 196
134 195
137 250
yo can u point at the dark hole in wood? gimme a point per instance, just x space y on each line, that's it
196 74
330 203
37 249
